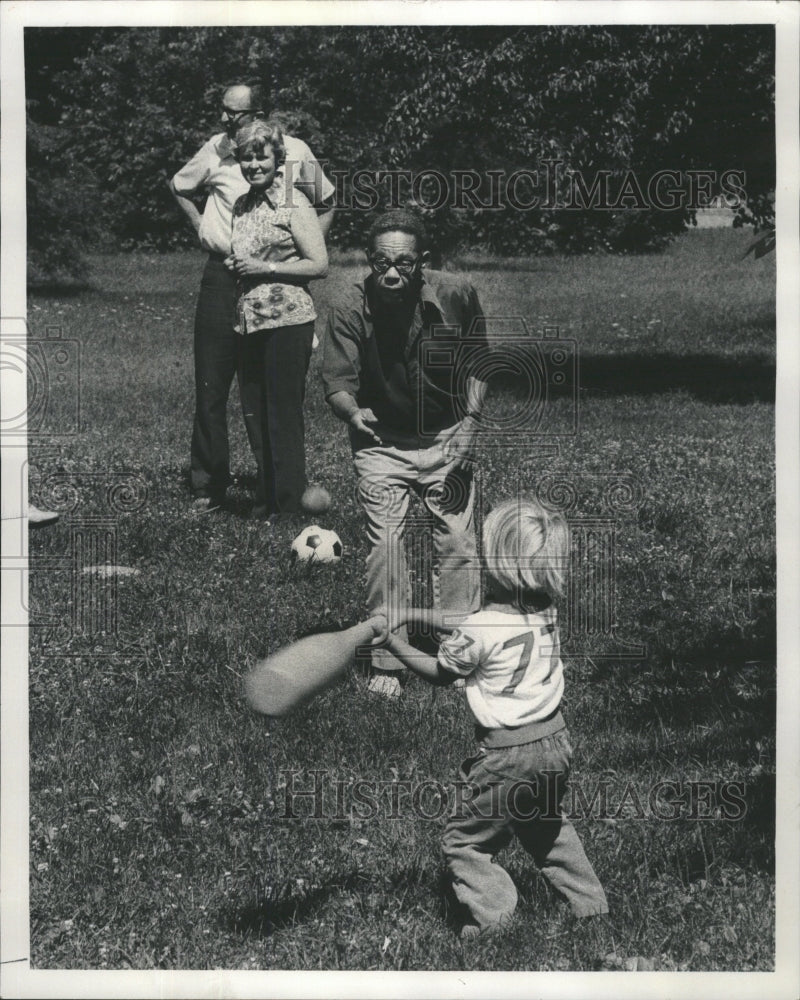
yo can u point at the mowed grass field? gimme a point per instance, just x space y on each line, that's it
159 828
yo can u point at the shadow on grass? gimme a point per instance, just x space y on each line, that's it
60 289
728 713
746 840
283 907
509 265
277 910
708 377
683 696
754 843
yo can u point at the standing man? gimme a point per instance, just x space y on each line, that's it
214 173
401 384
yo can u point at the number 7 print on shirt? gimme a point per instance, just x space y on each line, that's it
526 640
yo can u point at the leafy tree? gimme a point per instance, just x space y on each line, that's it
59 209
627 100
61 201
619 99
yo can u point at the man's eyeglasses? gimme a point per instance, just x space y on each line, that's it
404 267
235 115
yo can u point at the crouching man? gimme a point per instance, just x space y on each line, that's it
412 419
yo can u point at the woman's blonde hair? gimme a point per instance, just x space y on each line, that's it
260 133
525 549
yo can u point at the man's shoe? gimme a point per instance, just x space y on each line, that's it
387 685
41 518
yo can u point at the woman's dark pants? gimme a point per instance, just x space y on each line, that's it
272 383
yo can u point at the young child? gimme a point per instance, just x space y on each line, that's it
509 653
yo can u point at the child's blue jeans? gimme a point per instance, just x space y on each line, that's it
517 790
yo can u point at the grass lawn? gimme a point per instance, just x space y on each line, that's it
159 835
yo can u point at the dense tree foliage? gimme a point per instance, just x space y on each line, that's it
61 205
616 103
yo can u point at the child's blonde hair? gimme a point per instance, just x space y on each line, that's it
525 549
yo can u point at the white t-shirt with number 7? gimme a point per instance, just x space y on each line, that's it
512 665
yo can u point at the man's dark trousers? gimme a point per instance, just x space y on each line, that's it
215 362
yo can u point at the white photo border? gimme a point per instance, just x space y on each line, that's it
18 980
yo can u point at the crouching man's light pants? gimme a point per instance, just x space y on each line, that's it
387 477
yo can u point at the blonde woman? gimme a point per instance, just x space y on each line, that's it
277 247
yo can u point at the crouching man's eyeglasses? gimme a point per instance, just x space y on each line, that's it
404 267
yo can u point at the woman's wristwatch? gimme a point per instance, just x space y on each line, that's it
271 269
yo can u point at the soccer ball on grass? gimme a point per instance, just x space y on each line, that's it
315 544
